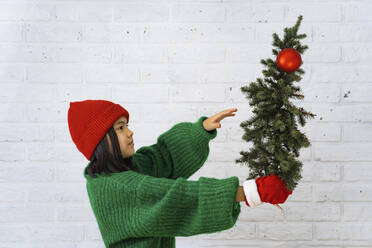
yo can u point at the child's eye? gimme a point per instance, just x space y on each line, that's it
123 126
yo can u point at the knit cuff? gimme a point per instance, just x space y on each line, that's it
251 193
199 133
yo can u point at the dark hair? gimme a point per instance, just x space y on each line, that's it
103 161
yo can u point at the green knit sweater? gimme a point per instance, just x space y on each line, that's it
149 209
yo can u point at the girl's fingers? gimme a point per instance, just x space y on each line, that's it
225 113
230 113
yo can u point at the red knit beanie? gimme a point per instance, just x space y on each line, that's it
90 120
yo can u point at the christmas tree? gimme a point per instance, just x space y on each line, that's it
273 128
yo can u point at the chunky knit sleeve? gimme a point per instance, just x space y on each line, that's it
165 207
179 152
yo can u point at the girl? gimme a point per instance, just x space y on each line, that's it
143 198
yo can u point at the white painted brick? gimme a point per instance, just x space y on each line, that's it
65 53
250 53
54 73
10 32
197 13
74 213
21 53
137 53
355 112
327 173
358 12
24 172
93 12
307 171
234 33
142 137
324 53
63 152
360 53
52 232
322 10
12 193
11 72
25 11
357 173
356 93
241 230
57 192
181 54
40 151
92 232
60 111
219 73
360 212
357 132
40 112
343 231
44 151
343 192
40 53
71 92
154 73
203 33
221 152
210 170
318 131
21 212
150 93
108 32
265 212
340 32
351 151
54 32
13 233
362 113
264 32
26 93
141 12
12 112
69 172
97 91
89 53
197 93
339 73
12 152
246 12
285 231
170 114
184 73
305 154
320 93
161 33
29 132
302 193
312 212
56 244
103 73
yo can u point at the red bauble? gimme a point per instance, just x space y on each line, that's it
288 60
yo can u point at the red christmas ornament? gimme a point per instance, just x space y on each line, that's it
288 60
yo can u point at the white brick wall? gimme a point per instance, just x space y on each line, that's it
171 61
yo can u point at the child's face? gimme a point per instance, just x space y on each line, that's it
125 136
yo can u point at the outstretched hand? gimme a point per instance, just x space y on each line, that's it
213 122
